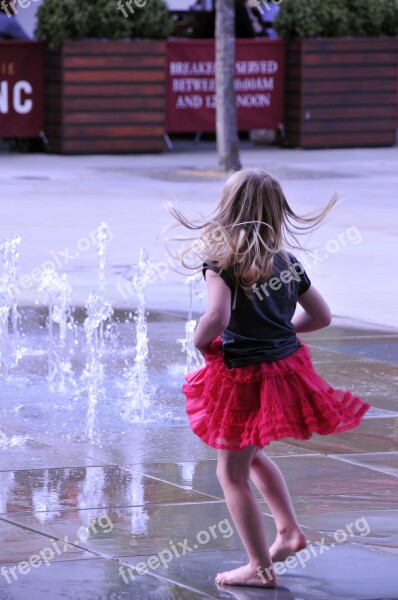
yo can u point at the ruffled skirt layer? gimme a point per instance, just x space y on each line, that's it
256 404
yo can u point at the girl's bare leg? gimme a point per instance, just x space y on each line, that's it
269 480
233 472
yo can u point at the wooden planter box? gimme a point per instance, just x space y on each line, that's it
106 97
341 92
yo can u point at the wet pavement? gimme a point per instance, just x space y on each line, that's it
138 512
56 202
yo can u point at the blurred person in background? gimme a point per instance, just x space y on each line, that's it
248 23
255 17
10 29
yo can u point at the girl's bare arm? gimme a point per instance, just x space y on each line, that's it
218 313
316 313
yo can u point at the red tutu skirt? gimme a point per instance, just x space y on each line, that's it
256 404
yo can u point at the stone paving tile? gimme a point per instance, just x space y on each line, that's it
321 484
138 444
317 483
324 356
284 448
374 382
373 435
312 580
33 455
385 462
348 329
96 579
198 475
138 530
373 529
135 531
374 347
346 572
18 543
141 445
83 488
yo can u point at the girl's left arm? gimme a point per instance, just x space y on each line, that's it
218 313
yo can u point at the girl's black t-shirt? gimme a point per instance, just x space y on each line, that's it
260 328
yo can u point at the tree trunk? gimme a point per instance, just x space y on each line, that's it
226 119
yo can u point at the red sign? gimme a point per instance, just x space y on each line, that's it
21 89
259 84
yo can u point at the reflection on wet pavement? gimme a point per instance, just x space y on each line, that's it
137 512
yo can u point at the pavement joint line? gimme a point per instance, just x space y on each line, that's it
392 415
171 483
57 468
163 578
46 535
352 356
304 454
370 467
77 451
114 506
381 452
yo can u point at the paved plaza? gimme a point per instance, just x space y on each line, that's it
139 513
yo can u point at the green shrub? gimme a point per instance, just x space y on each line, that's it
154 22
367 17
337 18
60 20
390 22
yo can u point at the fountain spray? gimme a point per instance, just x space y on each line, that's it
194 359
136 391
102 238
59 294
9 256
98 311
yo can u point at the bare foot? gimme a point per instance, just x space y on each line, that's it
249 576
286 544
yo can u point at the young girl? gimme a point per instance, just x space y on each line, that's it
259 384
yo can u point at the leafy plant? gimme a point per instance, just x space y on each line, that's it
154 22
60 20
390 22
367 17
337 18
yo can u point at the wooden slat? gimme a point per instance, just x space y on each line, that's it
334 127
108 97
341 92
117 62
348 100
338 72
333 45
113 131
116 76
106 118
115 90
123 145
356 112
131 103
343 58
339 139
304 113
349 85
109 47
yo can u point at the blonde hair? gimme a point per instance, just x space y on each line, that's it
253 222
